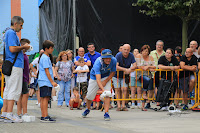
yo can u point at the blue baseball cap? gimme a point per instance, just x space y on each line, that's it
106 53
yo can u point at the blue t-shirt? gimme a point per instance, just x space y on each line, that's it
43 80
86 58
127 61
100 68
11 39
92 58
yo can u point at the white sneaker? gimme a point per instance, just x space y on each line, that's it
36 103
10 118
164 108
26 114
54 98
132 106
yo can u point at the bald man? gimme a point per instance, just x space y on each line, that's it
124 61
81 54
189 65
194 46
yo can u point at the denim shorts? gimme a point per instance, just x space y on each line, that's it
45 91
147 83
133 82
120 83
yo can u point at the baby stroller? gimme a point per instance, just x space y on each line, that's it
165 89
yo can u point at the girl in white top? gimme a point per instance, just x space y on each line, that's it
133 88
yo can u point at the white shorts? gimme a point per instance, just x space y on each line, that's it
13 88
93 88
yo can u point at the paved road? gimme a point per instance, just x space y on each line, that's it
134 121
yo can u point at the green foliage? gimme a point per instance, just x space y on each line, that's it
184 9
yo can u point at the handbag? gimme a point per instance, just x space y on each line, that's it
127 78
7 65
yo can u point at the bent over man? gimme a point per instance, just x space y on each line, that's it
100 77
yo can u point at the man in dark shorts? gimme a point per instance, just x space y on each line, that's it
187 79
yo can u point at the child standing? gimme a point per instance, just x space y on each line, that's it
75 100
82 71
33 81
23 100
46 79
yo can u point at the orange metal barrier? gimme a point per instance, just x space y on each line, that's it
196 97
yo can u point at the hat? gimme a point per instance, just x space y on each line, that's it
106 53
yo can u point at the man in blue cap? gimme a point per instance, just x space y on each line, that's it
100 77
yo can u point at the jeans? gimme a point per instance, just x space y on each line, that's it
146 82
64 92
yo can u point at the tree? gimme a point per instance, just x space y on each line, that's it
186 10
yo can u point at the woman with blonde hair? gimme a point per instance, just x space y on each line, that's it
64 72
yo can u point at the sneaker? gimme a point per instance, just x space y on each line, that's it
164 108
36 103
10 118
17 118
148 106
2 118
7 120
132 106
26 114
84 104
20 116
106 117
185 107
127 105
47 119
85 113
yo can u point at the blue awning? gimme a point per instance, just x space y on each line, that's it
40 2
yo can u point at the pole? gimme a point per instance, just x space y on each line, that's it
74 27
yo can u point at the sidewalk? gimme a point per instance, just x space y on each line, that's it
134 121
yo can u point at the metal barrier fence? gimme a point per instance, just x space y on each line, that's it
196 95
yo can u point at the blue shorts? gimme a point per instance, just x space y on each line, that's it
133 82
45 91
147 83
121 82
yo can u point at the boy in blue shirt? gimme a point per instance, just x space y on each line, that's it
46 80
100 77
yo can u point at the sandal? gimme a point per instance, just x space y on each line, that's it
93 108
102 109
124 109
118 109
157 104
71 108
144 109
145 97
79 108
